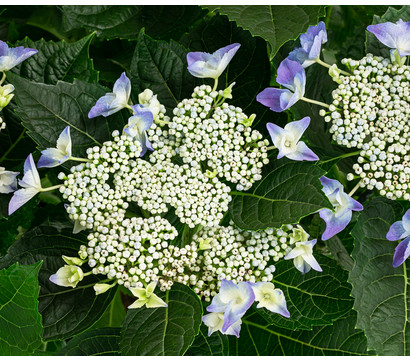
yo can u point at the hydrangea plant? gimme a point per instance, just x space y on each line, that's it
201 196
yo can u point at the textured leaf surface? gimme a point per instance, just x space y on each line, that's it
316 298
20 321
163 331
215 345
65 311
119 21
289 192
58 61
161 67
47 109
275 24
98 342
373 45
258 338
381 292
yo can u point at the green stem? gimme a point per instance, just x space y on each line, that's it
355 188
314 102
341 156
87 273
320 62
12 146
162 122
215 84
270 148
79 159
3 78
51 188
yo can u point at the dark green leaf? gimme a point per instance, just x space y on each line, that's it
215 345
380 291
249 68
119 21
161 67
288 193
65 311
58 61
47 109
259 338
275 24
312 299
98 342
20 321
114 315
373 45
163 331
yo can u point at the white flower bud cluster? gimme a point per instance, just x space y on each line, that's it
2 124
370 111
239 255
134 251
88 188
216 139
102 189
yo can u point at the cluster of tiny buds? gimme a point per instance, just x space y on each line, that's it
217 139
238 255
102 189
370 111
2 124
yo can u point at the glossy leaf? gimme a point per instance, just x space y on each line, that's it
381 292
125 21
65 311
316 298
163 331
58 61
275 24
98 342
215 345
20 321
288 193
161 67
259 338
47 109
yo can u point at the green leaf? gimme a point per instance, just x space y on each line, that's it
47 109
259 338
289 192
20 321
161 67
312 299
98 342
65 311
373 45
12 227
215 345
380 291
275 24
58 61
249 68
163 331
114 315
125 22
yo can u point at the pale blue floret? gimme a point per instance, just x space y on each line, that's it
400 230
310 45
115 101
52 157
138 124
31 184
302 255
205 65
343 204
11 57
292 76
394 36
287 140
